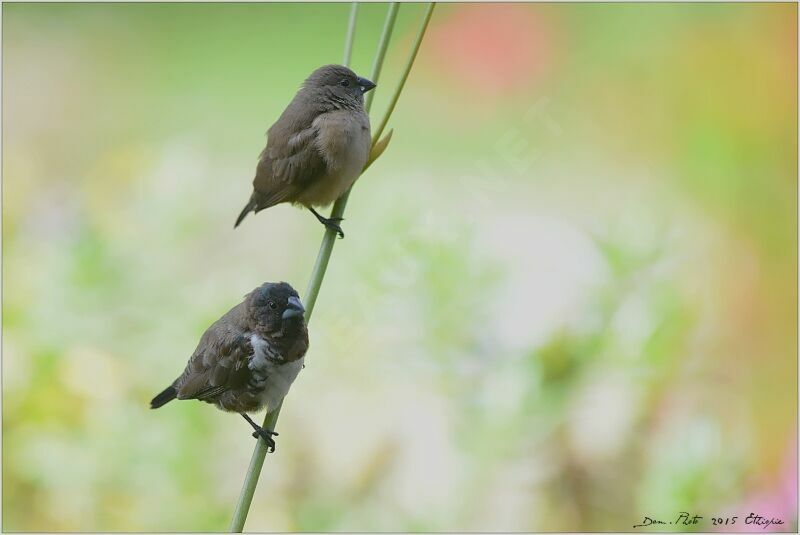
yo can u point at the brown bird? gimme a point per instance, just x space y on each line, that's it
247 359
318 146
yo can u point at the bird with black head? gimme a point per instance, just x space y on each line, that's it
247 359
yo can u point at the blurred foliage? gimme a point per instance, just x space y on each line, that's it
567 297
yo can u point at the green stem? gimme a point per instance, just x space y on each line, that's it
392 103
340 204
383 45
326 247
329 239
351 33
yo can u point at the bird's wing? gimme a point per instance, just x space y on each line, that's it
290 160
218 364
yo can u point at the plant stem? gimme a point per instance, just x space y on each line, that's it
328 240
392 103
383 45
351 33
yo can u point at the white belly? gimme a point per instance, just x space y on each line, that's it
272 378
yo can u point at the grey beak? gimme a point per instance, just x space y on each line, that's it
365 84
294 308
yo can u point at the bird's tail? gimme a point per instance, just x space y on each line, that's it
164 397
249 207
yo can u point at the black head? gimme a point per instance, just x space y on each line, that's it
275 307
339 81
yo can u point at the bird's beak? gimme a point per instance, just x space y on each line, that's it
294 309
365 85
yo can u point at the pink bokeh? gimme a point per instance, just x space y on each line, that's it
779 501
493 50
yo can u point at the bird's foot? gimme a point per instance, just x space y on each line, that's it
267 435
333 224
330 222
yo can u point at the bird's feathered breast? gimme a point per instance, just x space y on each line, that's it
343 139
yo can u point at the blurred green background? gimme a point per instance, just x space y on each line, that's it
566 300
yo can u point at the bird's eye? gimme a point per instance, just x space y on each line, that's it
272 305
344 83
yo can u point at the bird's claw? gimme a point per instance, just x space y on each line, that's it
331 224
267 435
256 434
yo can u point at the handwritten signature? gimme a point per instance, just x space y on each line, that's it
686 519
